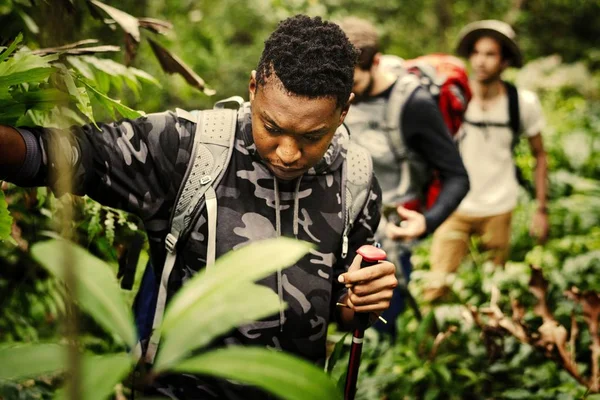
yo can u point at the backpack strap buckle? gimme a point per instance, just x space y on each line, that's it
170 242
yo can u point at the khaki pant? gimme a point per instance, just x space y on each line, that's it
451 242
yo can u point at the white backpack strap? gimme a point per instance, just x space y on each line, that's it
211 153
403 89
356 177
238 100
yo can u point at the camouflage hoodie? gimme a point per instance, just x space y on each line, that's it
139 165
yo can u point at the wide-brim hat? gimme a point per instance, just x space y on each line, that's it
493 28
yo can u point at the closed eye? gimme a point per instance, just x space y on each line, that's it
272 129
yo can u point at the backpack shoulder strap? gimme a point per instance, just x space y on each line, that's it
357 174
403 89
211 153
514 118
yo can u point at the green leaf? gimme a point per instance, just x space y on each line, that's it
247 264
145 77
223 297
217 313
31 360
29 22
82 99
516 394
282 374
336 353
81 66
24 62
100 375
112 104
42 99
424 328
5 218
97 290
28 76
6 53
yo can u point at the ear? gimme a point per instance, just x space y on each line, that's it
376 60
346 108
252 85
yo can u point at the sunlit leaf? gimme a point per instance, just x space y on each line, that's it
100 375
13 46
81 66
98 292
212 316
82 99
112 104
247 264
30 360
282 374
5 218
24 62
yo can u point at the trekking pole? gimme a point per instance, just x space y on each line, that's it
371 255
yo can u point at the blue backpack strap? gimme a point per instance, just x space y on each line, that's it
211 153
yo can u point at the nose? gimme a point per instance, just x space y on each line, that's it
288 150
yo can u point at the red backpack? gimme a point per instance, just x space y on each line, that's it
446 78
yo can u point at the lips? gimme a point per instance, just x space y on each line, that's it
286 173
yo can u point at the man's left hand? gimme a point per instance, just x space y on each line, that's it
370 289
412 225
540 226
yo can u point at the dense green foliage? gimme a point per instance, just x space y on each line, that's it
221 41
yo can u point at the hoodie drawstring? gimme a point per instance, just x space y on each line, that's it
278 229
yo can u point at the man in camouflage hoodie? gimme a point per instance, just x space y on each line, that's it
284 179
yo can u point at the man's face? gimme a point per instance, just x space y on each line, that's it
486 60
291 133
363 83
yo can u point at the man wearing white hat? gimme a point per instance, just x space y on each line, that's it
496 117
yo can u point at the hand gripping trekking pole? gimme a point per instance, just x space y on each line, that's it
371 255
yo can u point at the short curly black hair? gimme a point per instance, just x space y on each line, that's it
311 57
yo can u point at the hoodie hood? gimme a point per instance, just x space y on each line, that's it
332 159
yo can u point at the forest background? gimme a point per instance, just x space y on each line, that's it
527 331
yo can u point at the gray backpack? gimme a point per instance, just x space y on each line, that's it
212 151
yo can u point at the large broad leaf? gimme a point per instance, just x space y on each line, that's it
224 297
286 376
97 290
100 375
30 360
247 264
5 218
216 314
